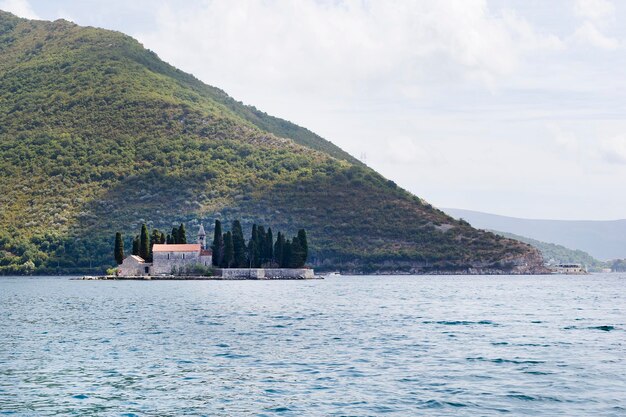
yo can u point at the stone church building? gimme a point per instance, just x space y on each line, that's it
169 257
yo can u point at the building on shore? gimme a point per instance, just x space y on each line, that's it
168 258
569 269
134 266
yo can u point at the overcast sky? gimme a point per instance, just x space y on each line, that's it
509 107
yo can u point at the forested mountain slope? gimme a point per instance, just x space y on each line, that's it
553 253
97 134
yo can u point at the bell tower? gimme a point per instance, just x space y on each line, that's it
202 237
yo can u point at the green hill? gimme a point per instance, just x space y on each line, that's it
554 253
97 134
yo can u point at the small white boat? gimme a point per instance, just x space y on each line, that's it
333 274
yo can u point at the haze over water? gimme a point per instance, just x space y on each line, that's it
362 346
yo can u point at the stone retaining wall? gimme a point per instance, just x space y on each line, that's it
266 273
252 273
302 273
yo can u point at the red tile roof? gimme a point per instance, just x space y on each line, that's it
189 247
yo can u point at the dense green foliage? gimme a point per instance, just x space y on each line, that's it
218 244
98 134
144 243
239 246
229 251
261 250
118 252
181 236
136 245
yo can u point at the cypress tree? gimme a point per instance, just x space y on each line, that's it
304 244
286 258
168 239
175 235
162 240
136 245
296 253
253 247
119 248
144 242
155 238
218 244
260 241
279 249
239 246
251 254
229 251
269 246
182 234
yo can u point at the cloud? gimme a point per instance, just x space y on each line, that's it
403 149
345 46
594 9
589 34
21 8
565 141
613 150
596 14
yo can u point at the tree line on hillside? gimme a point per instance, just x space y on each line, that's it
618 265
143 242
230 249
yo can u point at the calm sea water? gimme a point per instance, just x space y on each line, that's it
348 346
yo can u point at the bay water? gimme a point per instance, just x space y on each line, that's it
345 346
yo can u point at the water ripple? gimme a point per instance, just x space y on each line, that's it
350 346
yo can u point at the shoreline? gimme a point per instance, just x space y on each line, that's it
190 278
323 274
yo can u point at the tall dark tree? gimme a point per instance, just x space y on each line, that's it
162 240
182 234
261 251
144 242
251 252
136 245
297 254
304 244
253 248
287 254
169 239
155 239
269 246
229 251
239 246
119 248
175 235
279 249
218 244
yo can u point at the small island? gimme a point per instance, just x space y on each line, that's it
156 256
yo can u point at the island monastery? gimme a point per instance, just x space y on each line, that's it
169 257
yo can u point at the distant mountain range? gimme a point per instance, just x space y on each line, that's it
603 240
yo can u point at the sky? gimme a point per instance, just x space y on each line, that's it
509 107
